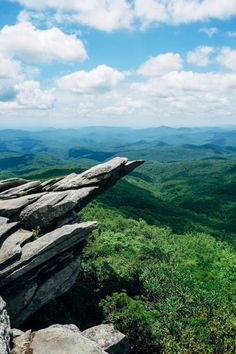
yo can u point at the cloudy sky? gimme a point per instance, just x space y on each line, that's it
72 63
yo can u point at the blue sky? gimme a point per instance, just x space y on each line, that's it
67 63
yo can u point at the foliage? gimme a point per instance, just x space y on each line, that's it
36 233
170 293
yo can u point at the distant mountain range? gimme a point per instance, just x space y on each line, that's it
28 150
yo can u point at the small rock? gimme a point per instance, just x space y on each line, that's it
108 338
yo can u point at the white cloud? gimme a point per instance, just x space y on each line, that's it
26 95
187 81
99 80
209 31
104 15
161 64
9 68
183 11
190 94
148 11
18 92
200 56
227 58
108 15
123 105
25 41
30 96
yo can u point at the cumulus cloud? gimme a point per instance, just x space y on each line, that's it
9 68
227 58
104 15
27 95
99 80
190 93
18 92
114 14
183 11
188 81
31 96
200 56
161 64
123 105
209 31
25 41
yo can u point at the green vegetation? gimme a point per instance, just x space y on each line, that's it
169 293
36 233
162 264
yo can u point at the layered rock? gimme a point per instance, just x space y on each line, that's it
41 236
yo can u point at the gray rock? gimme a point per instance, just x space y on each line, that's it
5 330
9 207
55 340
95 176
52 258
34 270
51 207
16 332
21 343
11 183
108 338
6 227
11 247
26 188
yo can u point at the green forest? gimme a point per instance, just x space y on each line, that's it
161 265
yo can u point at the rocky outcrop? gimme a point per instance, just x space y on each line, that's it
41 236
67 339
5 331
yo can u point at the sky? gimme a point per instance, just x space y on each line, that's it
136 63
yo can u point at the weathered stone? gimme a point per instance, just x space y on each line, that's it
11 183
6 227
16 332
46 247
21 343
12 247
55 340
51 207
95 176
5 331
108 338
22 190
33 269
9 207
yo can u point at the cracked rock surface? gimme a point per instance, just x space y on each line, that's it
41 237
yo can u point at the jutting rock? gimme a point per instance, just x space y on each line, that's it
41 235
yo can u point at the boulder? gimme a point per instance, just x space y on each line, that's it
57 339
108 338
